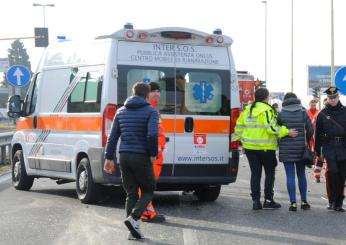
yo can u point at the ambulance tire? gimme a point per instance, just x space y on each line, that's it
87 190
208 193
21 181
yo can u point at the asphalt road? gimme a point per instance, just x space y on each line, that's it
51 214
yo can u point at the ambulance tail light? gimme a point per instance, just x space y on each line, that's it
234 170
234 116
108 116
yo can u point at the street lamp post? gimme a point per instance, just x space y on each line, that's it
291 45
332 75
265 39
43 8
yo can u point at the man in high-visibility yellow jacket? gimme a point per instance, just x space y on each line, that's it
258 132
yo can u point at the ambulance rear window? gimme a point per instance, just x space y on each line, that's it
202 92
183 91
129 75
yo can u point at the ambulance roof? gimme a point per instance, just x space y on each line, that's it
171 34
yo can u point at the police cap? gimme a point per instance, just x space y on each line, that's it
332 92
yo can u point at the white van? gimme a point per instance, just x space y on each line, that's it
66 116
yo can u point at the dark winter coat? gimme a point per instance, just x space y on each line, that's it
294 116
137 125
331 123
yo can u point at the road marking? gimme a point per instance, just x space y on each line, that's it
243 181
190 237
5 177
288 237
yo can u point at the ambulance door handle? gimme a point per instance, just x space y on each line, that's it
188 124
35 122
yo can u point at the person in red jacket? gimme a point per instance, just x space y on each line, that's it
150 214
312 113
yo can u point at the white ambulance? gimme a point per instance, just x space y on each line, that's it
66 115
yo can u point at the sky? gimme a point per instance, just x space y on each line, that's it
242 20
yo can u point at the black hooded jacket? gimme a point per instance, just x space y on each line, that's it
331 123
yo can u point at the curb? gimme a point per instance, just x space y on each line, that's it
5 177
2 174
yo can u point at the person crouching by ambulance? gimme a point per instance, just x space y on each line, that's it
150 214
258 132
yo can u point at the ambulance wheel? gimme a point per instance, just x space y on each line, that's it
208 193
21 181
87 190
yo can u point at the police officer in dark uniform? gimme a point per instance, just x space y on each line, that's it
330 141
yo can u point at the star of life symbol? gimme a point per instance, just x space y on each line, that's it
200 140
203 92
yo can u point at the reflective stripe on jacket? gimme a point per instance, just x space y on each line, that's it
259 131
162 143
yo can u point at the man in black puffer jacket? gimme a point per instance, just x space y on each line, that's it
291 150
137 125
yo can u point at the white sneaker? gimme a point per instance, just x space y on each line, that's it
133 227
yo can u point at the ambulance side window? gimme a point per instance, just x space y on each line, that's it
31 96
86 95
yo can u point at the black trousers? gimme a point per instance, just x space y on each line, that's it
258 159
137 172
336 179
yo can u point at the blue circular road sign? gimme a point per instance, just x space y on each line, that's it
340 80
18 76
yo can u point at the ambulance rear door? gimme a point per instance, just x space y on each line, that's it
202 119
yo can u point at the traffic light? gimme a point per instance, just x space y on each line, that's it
263 84
315 92
41 37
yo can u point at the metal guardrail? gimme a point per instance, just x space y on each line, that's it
5 142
